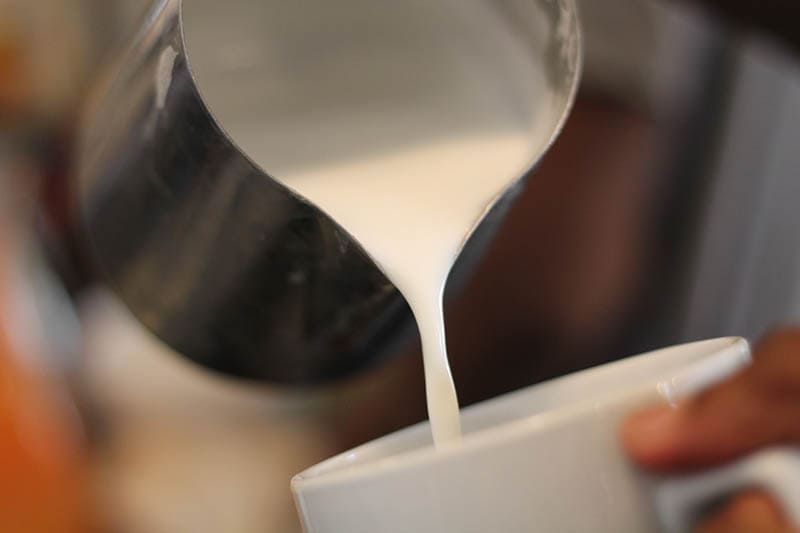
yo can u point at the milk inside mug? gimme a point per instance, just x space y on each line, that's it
544 459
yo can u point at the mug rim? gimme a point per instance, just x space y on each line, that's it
669 383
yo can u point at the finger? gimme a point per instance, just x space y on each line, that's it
752 512
758 407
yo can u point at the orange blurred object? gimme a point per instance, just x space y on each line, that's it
43 469
13 79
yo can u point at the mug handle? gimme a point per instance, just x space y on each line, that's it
680 502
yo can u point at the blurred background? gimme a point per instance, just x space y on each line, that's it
666 212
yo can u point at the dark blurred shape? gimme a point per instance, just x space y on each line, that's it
773 17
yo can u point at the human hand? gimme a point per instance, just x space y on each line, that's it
757 408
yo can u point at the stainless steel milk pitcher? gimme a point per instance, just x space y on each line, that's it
216 258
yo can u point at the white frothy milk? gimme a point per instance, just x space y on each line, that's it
402 120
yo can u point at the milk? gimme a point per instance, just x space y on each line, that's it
403 121
412 220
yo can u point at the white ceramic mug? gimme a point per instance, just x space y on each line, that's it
544 459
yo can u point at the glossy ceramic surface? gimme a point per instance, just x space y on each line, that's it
545 458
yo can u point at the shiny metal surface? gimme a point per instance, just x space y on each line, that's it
223 263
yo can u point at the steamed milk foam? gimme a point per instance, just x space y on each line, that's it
401 120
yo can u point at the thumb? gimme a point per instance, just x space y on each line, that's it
758 407
748 512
